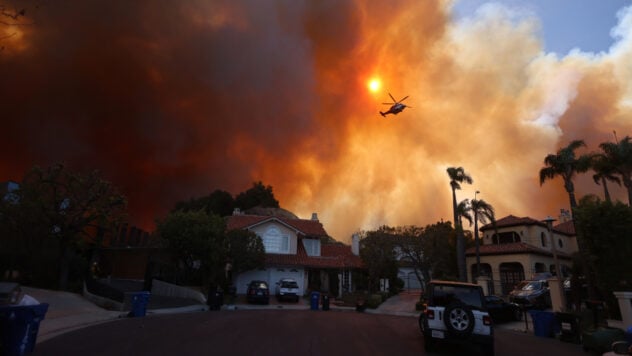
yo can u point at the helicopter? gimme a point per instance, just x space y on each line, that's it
396 106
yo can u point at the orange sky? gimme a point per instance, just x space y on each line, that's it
174 100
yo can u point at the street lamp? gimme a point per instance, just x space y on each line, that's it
558 271
476 239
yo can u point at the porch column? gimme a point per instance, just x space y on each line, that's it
483 281
557 298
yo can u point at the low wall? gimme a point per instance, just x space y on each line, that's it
171 290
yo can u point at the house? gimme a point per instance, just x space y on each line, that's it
516 248
295 248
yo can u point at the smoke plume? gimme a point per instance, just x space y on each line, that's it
172 100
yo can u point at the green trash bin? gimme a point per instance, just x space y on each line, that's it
19 326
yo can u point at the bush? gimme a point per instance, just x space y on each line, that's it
374 301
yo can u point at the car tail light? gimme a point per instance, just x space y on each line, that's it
430 314
487 320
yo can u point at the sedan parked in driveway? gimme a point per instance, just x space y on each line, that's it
258 292
501 311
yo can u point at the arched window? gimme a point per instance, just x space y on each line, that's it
543 239
274 241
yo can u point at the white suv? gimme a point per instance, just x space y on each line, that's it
287 288
455 312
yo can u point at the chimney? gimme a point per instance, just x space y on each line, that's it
355 244
314 217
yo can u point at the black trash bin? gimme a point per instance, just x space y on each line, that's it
215 300
570 327
325 302
19 326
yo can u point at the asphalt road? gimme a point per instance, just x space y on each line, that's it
275 332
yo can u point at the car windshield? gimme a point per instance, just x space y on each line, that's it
448 294
260 285
534 285
287 284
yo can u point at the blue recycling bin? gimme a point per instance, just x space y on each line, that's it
19 326
544 323
314 298
139 303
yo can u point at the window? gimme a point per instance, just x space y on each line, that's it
560 243
312 247
506 237
275 242
542 239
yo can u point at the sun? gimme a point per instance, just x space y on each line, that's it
374 85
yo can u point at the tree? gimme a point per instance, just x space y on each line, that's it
619 157
377 250
483 212
566 165
430 250
66 207
457 176
199 242
604 172
257 195
245 251
606 231
219 202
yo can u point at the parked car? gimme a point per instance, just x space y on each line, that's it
455 313
531 294
502 311
287 288
258 292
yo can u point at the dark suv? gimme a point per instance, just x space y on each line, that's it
455 312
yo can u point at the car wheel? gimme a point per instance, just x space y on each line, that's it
459 319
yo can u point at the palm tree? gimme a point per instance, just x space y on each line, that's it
604 171
619 155
566 165
483 212
457 176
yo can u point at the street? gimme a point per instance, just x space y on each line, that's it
275 332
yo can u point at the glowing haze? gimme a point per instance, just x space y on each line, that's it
172 100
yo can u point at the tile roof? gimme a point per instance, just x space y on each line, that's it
511 248
332 256
566 228
311 228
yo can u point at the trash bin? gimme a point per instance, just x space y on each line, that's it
569 327
215 300
19 326
325 302
544 323
139 303
314 297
